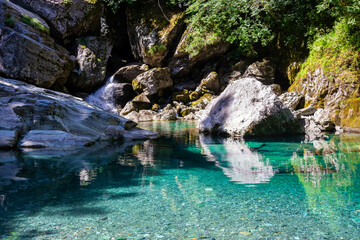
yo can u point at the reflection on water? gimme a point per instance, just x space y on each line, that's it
240 163
184 186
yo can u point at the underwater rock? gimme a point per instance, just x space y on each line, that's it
247 107
45 118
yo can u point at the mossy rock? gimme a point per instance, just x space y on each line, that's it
350 114
155 107
185 112
136 86
181 96
206 96
194 96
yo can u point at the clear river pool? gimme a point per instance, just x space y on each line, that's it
184 185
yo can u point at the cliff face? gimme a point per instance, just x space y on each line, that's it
330 77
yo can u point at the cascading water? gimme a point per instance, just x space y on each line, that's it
104 97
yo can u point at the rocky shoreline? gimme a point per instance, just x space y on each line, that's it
71 48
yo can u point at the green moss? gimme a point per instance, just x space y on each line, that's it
34 23
67 2
9 20
156 49
206 96
185 112
350 114
155 107
181 96
136 85
194 96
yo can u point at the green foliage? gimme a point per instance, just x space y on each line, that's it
34 23
239 21
67 2
157 48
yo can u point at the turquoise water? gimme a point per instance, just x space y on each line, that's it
185 186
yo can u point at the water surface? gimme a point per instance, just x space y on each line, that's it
185 186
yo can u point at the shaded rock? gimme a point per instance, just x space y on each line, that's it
194 96
277 90
185 59
27 52
71 18
262 71
122 93
168 115
308 111
181 96
315 126
155 107
209 83
185 85
45 118
248 108
151 35
141 102
8 138
128 108
323 119
128 73
293 100
133 116
147 115
92 56
152 81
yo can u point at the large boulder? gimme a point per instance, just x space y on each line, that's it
292 100
27 52
128 73
68 18
39 118
153 30
152 81
248 108
92 56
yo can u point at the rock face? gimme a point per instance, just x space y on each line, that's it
38 118
152 35
248 108
152 81
128 73
183 61
93 54
292 100
27 52
337 95
262 71
68 18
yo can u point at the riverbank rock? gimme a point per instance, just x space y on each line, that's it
210 83
248 108
292 100
68 18
27 52
39 118
153 30
152 81
128 73
337 94
92 56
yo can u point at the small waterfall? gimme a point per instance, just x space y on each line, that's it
104 97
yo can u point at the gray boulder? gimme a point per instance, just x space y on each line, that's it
27 52
37 118
152 81
248 108
210 83
68 18
128 73
262 71
292 100
92 56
